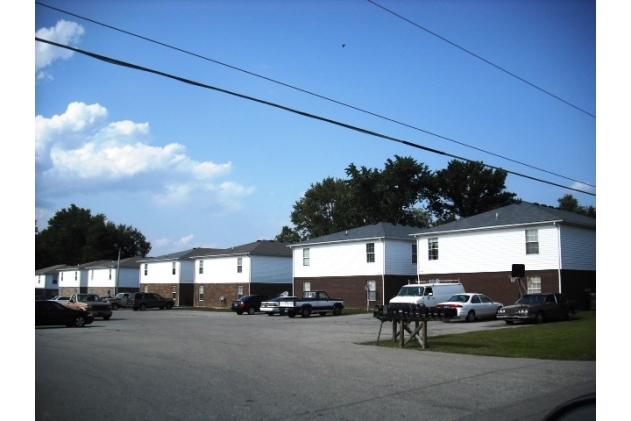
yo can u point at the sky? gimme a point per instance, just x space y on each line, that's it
511 84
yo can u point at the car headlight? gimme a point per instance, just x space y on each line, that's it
523 311
501 310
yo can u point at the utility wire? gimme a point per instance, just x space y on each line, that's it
311 93
295 111
482 58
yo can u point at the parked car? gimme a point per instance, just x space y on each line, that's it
91 303
537 308
471 306
60 299
272 306
52 313
144 300
248 304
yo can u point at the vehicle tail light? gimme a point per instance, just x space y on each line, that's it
242 304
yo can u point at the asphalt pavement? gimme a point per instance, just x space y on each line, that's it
196 365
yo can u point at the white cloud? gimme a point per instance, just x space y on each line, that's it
584 187
184 241
64 32
79 151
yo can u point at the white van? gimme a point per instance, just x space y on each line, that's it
428 294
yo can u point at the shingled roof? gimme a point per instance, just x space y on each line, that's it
180 255
367 232
257 248
523 213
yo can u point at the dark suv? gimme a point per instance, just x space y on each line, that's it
144 300
248 304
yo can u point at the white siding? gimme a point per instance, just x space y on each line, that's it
129 278
69 279
578 248
46 281
339 259
223 270
158 273
489 251
399 258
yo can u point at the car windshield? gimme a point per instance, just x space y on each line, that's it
411 291
531 299
459 298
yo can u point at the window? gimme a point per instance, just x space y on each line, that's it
201 293
173 268
55 281
432 249
240 265
371 290
306 286
201 267
414 254
146 288
91 274
146 265
239 291
370 253
174 292
532 242
110 274
305 257
75 276
534 284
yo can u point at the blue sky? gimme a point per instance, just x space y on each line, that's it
193 167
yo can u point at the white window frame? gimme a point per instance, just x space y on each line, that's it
532 241
432 248
371 290
109 274
146 268
306 258
174 292
239 264
370 252
534 284
173 268
201 267
201 293
239 291
306 286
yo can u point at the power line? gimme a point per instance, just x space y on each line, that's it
313 94
295 111
481 58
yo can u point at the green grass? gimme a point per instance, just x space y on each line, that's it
573 341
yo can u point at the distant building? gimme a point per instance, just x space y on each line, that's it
47 281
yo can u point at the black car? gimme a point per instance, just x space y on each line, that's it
537 308
144 300
248 304
50 313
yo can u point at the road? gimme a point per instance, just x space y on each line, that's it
195 365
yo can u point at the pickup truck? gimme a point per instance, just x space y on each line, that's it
91 303
312 302
122 299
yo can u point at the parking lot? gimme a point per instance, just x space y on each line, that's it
198 365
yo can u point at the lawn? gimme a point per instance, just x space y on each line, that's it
567 340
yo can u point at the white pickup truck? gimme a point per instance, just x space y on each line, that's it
312 302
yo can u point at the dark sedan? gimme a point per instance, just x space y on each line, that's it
537 308
50 313
248 304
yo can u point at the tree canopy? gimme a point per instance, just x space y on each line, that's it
75 236
570 203
403 192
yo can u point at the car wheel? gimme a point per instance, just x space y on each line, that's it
106 317
569 315
79 321
337 310
470 316
305 312
142 307
539 317
251 311
114 306
291 314
169 306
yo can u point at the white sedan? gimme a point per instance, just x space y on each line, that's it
472 306
272 306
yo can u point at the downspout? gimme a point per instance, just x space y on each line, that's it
249 274
559 254
383 274
418 260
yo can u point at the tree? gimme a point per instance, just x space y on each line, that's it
288 235
469 188
75 236
570 203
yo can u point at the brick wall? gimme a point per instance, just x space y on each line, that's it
212 293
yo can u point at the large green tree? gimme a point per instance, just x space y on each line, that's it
469 188
570 203
75 236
